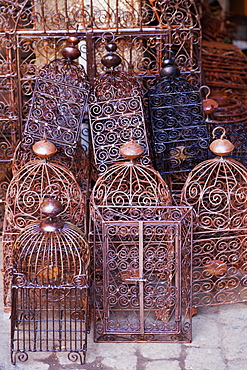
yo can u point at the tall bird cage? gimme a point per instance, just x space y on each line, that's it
50 288
116 113
33 33
142 256
217 191
179 129
57 112
37 180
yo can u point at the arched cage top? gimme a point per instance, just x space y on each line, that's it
51 258
128 185
217 191
37 180
115 85
110 14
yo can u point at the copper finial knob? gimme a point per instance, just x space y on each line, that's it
169 69
71 51
44 149
111 59
51 207
221 146
131 150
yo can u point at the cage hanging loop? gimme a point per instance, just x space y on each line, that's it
208 90
219 128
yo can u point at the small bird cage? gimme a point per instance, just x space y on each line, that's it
142 256
217 191
57 111
34 182
179 129
116 113
50 288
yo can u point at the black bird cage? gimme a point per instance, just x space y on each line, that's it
180 138
50 288
142 257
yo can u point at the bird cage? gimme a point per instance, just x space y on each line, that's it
179 129
50 288
57 111
142 256
217 191
115 113
34 182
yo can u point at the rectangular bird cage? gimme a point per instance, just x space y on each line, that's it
49 319
142 274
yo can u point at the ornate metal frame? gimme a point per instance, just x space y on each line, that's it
142 274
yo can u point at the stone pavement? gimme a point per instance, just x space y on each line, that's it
219 343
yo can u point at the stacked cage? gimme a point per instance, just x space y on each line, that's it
142 256
50 288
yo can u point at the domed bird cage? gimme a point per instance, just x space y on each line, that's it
50 288
34 182
180 136
142 256
57 112
115 113
217 191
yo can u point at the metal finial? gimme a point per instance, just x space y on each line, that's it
221 146
111 60
131 150
44 149
71 51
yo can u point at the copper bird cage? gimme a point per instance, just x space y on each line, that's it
50 288
34 182
217 191
116 113
180 137
142 256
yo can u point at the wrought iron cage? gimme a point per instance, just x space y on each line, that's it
50 290
142 256
142 269
217 191
30 186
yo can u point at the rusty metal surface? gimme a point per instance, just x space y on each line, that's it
217 191
50 290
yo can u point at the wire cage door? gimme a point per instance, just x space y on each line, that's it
145 281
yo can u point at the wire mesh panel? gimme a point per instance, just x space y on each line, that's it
143 275
217 191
